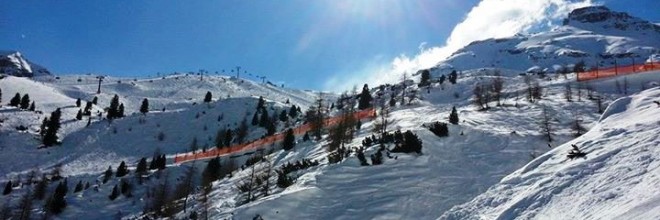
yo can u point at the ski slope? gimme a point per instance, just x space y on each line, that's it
618 179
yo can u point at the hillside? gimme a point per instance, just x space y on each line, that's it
595 35
617 180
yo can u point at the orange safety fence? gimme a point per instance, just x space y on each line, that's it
617 71
254 145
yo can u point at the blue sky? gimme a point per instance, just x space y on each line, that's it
301 43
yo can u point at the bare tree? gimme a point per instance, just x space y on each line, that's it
546 124
478 95
497 85
577 126
25 205
568 92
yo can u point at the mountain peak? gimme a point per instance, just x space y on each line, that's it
13 63
603 16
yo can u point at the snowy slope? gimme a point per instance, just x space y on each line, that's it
13 63
451 171
595 35
618 179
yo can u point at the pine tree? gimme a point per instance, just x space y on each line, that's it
453 116
121 169
453 76
365 98
141 169
144 108
208 97
220 138
424 78
113 110
264 120
289 140
107 175
56 203
211 172
95 100
242 131
8 188
25 102
53 125
442 79
392 101
293 112
78 103
120 111
306 137
261 103
40 188
228 137
16 100
79 115
32 107
79 187
126 188
255 118
284 116
114 194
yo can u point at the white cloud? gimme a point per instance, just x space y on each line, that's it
489 19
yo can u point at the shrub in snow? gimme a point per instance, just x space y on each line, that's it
439 129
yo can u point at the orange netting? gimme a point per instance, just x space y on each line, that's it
255 145
617 71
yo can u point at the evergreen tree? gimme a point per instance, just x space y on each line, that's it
113 110
144 108
453 76
440 129
264 120
78 103
79 115
228 137
126 188
141 168
120 111
453 116
220 138
442 79
114 194
53 125
8 188
208 97
107 175
284 116
392 101
306 137
95 100
122 170
211 172
293 112
242 131
270 127
88 108
16 100
40 188
255 118
79 187
25 102
424 79
261 103
0 97
56 203
365 98
289 140
32 107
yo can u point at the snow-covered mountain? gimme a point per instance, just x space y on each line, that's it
594 35
13 63
619 178
448 177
